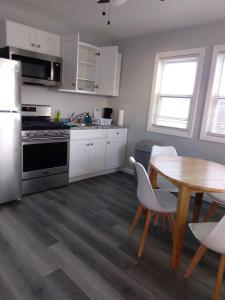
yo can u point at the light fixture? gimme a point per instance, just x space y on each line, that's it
107 7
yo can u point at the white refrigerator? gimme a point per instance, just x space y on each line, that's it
10 130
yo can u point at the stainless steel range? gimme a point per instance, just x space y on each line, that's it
45 150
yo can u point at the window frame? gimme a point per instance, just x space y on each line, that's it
199 53
209 102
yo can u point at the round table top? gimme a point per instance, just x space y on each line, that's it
197 174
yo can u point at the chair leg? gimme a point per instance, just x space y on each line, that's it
171 223
219 277
162 223
156 221
198 255
145 233
136 218
210 211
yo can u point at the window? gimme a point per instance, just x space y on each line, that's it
174 92
213 124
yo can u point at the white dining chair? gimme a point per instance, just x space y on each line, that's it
151 202
211 236
218 200
162 183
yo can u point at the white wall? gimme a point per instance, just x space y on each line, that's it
66 103
136 80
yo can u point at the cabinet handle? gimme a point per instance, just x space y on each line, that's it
117 132
32 45
97 53
108 142
88 144
39 46
73 84
96 86
92 144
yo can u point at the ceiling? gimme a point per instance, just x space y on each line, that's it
134 18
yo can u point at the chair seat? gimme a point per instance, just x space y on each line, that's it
165 185
202 230
167 201
218 197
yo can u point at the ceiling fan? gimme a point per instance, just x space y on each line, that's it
114 2
107 6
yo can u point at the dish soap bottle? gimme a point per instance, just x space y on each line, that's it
58 117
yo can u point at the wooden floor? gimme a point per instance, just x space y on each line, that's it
72 243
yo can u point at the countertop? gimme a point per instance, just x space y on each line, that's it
98 127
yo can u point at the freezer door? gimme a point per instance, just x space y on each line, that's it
10 156
10 85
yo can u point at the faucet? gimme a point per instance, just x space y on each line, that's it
73 118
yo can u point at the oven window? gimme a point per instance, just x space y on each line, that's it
33 67
44 156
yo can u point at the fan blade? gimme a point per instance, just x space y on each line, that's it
118 2
103 1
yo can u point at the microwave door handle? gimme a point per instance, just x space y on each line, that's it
52 71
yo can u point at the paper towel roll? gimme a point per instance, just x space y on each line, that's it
121 117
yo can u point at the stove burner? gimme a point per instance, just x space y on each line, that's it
42 125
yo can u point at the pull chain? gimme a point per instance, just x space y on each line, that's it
109 14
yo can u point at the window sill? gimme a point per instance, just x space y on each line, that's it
212 138
170 131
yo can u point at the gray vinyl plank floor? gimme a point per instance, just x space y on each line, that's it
73 243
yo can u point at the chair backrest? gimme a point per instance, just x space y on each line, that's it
215 240
163 151
145 191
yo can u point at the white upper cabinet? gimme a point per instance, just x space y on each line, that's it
20 36
29 38
108 71
90 69
47 43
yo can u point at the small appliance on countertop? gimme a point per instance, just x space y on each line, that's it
45 150
108 113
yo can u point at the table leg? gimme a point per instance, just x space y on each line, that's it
153 177
197 207
181 220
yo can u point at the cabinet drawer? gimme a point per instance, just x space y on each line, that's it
121 132
87 134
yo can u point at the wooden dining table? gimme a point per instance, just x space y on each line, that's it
189 175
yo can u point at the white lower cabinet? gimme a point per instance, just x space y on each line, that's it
93 151
96 155
78 158
115 153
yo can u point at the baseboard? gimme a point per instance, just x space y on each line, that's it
127 170
86 176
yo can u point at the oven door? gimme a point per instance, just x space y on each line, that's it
44 157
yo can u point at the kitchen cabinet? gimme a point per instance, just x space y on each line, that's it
96 155
78 158
115 148
47 43
29 38
88 68
95 151
108 66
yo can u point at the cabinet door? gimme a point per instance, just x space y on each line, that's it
78 158
20 36
106 70
115 153
96 158
69 53
47 43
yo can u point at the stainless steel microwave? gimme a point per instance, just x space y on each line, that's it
37 68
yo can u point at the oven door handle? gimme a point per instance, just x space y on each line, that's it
47 139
